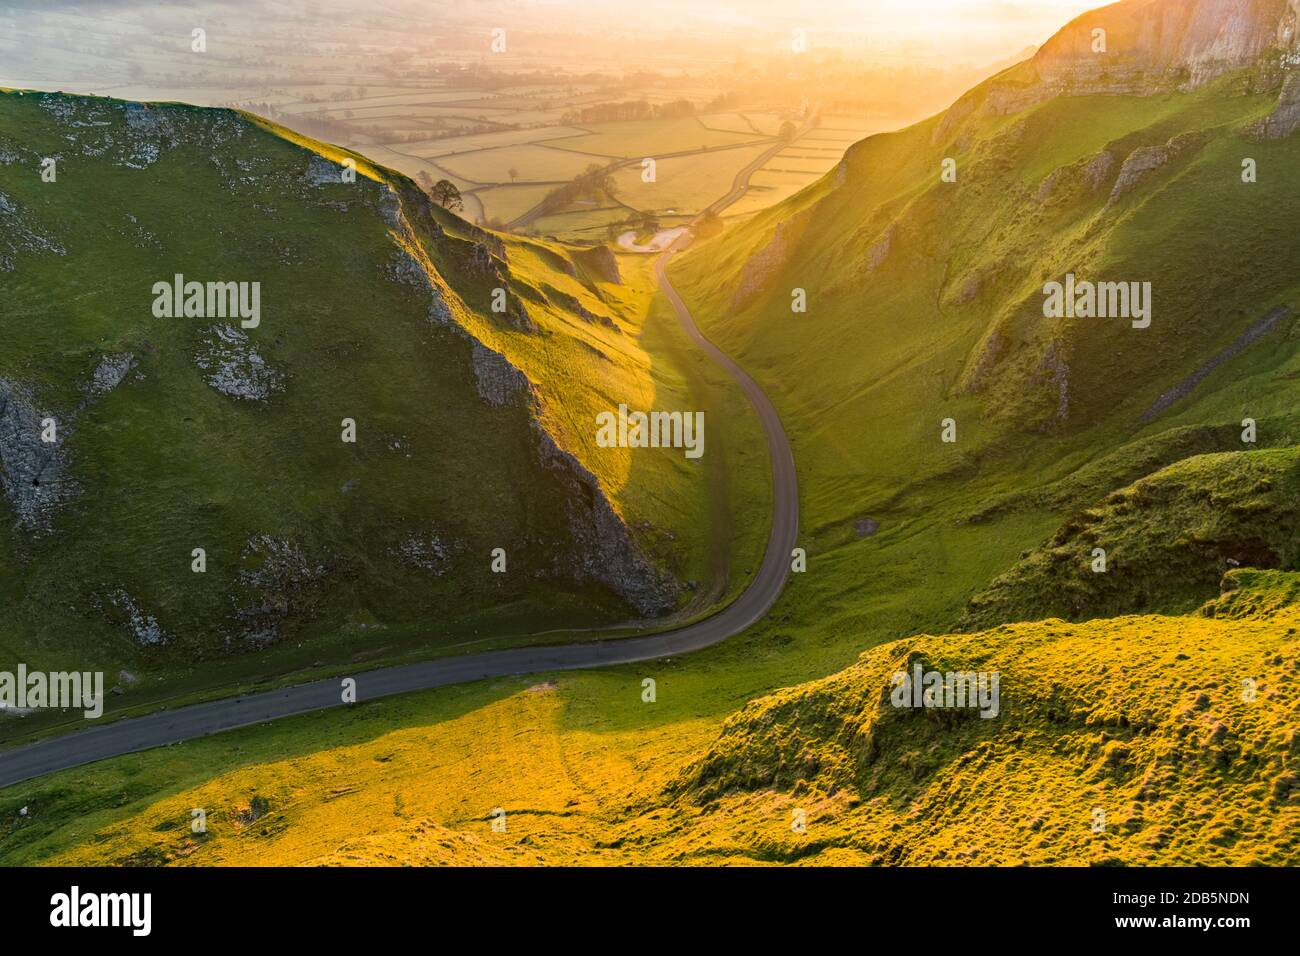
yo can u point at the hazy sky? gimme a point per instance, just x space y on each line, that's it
934 31
961 28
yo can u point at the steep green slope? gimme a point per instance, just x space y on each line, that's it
472 428
925 297
1163 542
924 258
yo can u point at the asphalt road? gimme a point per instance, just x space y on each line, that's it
186 723
740 183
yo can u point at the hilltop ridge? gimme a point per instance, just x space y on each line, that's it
1145 47
1189 42
306 449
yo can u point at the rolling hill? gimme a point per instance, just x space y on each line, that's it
1141 740
954 441
1111 738
199 488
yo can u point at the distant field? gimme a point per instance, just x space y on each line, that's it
404 111
581 223
448 133
501 101
688 184
396 158
767 187
473 207
474 137
509 202
640 138
505 117
200 95
768 123
448 145
541 89
388 99
788 161
815 151
756 123
730 123
533 163
305 91
831 137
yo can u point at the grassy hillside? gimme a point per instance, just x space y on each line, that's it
474 430
924 304
925 296
1180 731
1155 730
1166 540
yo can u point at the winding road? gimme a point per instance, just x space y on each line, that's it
186 723
739 183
